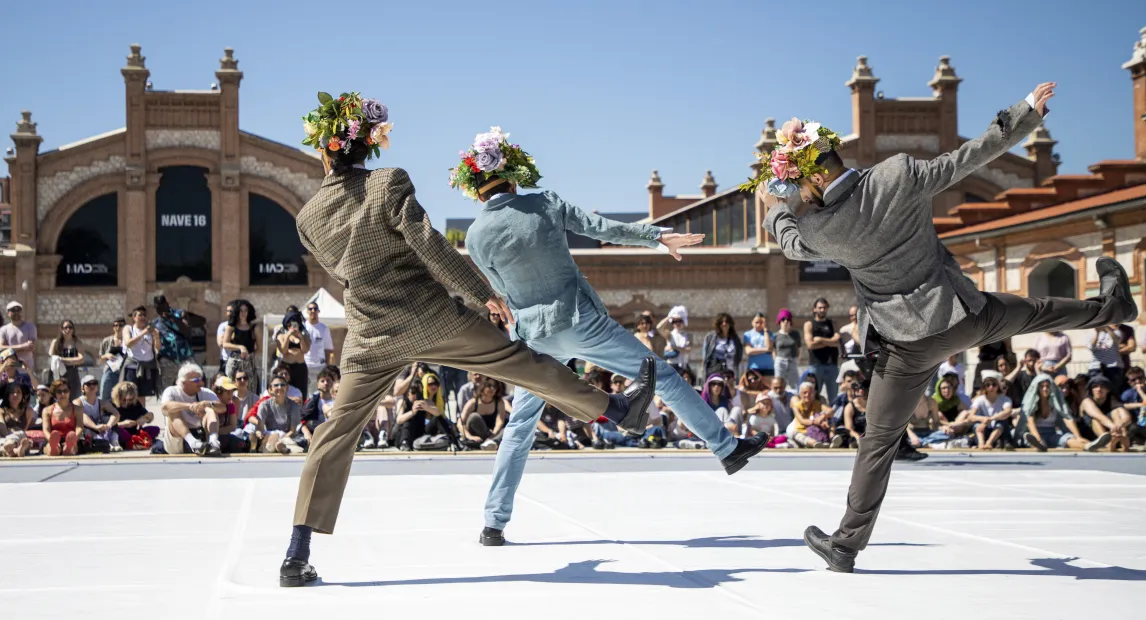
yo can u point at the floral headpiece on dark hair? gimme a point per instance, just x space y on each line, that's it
801 144
336 123
490 160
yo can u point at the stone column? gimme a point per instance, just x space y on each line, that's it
862 86
22 168
945 88
1040 149
1137 68
766 144
139 193
228 197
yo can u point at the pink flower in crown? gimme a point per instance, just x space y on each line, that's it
784 166
794 136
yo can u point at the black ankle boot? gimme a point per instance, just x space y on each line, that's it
294 573
630 410
491 537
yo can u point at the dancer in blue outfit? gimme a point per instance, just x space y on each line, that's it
519 243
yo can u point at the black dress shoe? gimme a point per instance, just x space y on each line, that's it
1114 283
630 410
910 455
294 573
745 449
839 559
491 537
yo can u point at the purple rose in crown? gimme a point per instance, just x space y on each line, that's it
374 112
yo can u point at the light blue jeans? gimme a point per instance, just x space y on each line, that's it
598 339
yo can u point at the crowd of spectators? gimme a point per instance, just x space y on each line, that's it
751 379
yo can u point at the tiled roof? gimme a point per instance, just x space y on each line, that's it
1110 182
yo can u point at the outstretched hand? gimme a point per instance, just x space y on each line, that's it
498 306
1043 92
675 241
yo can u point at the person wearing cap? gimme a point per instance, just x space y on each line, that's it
1104 413
916 305
229 442
991 412
519 242
100 417
19 335
12 369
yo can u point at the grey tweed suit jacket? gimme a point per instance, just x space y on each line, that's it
368 231
877 224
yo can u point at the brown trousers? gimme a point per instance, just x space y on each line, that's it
481 348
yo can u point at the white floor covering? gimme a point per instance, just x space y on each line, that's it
950 544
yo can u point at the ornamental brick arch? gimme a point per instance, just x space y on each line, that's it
73 201
1054 250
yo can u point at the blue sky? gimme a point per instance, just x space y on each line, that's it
601 93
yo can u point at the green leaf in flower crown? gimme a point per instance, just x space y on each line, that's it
324 98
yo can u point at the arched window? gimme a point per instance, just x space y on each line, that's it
89 244
1053 278
276 251
183 225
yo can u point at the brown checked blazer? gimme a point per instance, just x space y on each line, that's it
368 231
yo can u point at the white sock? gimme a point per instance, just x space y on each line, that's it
191 441
213 439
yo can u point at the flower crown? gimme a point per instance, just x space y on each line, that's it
490 158
336 123
801 143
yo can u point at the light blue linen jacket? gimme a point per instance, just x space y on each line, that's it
518 241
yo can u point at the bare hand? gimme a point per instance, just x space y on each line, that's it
675 241
1043 92
497 305
768 199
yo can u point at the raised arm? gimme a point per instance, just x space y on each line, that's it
443 261
1004 133
781 224
603 229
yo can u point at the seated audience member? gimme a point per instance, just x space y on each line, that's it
410 376
781 402
61 421
43 400
925 421
952 366
134 427
679 435
762 417
382 427
100 419
467 392
484 416
552 429
229 441
752 384
1049 421
847 378
992 412
1103 412
12 369
245 398
422 413
1134 396
292 393
279 418
192 413
810 416
16 421
716 395
951 403
318 406
855 418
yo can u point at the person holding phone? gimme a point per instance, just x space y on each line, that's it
294 342
142 343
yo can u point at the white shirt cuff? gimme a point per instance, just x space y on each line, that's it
1031 100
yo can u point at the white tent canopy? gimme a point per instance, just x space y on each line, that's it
330 312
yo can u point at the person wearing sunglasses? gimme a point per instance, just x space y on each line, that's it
67 353
192 413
